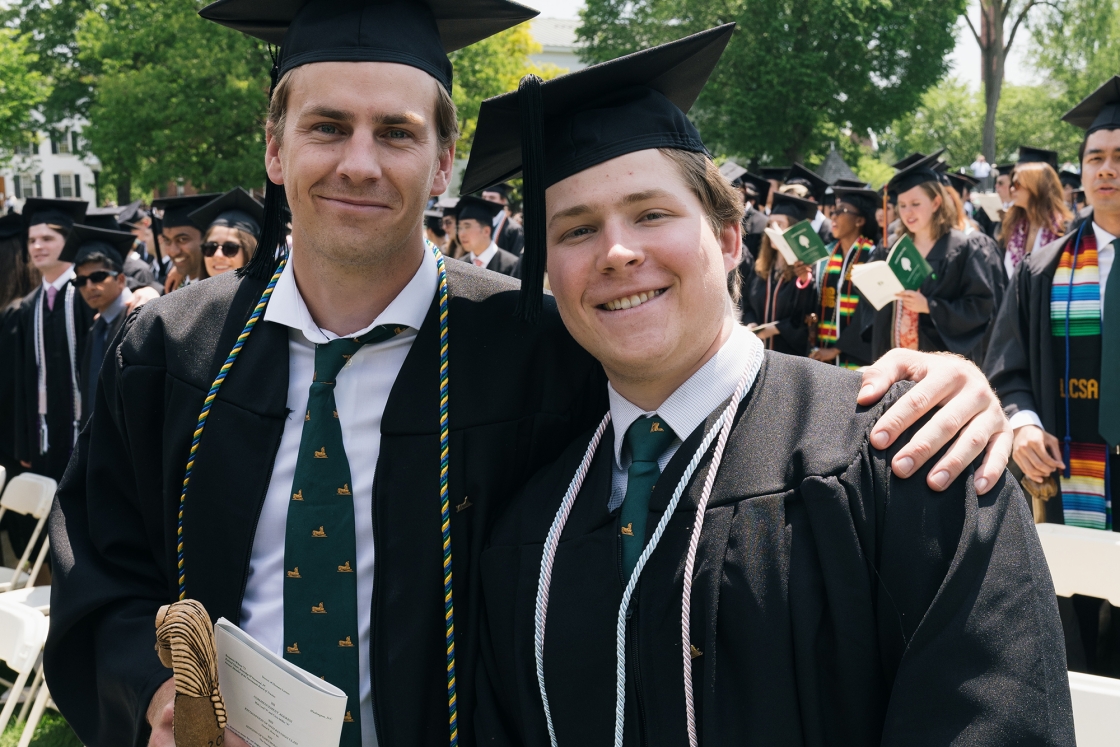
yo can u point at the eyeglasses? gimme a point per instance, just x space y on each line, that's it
100 276
230 249
846 211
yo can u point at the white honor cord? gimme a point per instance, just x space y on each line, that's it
721 428
72 345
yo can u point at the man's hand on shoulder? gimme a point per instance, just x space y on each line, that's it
970 411
161 717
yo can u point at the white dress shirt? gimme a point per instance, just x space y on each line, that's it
1106 254
486 256
686 408
818 220
361 392
60 281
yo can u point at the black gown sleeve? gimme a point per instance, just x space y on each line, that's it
100 659
962 304
794 305
1007 362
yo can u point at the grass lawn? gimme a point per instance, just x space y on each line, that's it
53 731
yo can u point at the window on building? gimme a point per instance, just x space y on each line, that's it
27 185
63 139
27 149
64 185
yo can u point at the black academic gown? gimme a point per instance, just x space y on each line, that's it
964 294
833 603
510 237
60 397
503 262
794 304
140 275
754 223
9 329
113 528
91 368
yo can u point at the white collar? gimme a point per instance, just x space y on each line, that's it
1104 238
409 308
695 399
487 255
61 281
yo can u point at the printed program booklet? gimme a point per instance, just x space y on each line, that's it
798 243
905 268
271 702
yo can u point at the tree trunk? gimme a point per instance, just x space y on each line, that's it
992 56
124 189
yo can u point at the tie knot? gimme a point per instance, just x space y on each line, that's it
649 438
330 357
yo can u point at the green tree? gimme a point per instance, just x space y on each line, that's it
490 68
175 98
792 66
22 89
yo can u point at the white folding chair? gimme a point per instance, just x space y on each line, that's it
3 477
1096 701
1082 561
23 631
30 495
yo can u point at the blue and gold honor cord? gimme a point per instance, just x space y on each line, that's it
444 494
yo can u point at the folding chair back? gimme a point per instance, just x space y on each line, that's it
3 477
29 494
23 631
1096 701
1082 561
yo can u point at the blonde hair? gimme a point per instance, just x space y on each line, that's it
945 217
1046 206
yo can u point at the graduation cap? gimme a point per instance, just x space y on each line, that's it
1027 154
433 219
447 205
919 172
579 120
799 174
86 240
106 217
11 226
235 209
1069 178
65 213
1005 169
177 210
775 173
502 188
795 207
731 171
760 185
1100 110
849 184
961 182
867 201
408 32
909 161
131 215
476 208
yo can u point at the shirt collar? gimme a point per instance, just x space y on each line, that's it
487 255
110 314
1104 238
409 308
61 281
695 399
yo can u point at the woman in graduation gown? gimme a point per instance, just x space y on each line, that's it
777 586
838 327
778 292
953 309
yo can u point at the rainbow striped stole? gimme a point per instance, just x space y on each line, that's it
1083 283
1084 502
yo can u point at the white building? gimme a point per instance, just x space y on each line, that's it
557 36
52 166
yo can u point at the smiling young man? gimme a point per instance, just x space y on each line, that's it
1059 323
727 559
181 238
475 229
363 321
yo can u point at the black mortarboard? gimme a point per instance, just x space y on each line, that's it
550 130
433 219
501 188
849 184
795 207
1100 110
867 201
1005 169
910 160
85 240
131 214
961 182
777 173
177 210
760 185
408 32
447 205
11 225
104 217
799 174
731 171
65 213
1069 178
1027 154
235 209
919 172
476 208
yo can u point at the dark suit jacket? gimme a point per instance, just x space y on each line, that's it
503 262
90 367
113 526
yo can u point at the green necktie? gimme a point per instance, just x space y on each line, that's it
320 579
1110 354
648 439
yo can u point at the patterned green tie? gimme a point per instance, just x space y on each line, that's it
648 439
320 579
1110 355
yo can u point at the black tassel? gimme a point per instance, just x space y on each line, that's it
535 258
269 249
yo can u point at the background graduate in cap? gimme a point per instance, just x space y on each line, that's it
180 238
137 272
474 221
232 229
658 586
508 235
756 192
815 189
1055 363
1038 214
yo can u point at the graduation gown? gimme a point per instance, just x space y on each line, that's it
9 320
794 304
510 237
113 529
754 223
91 368
964 294
60 396
833 603
502 262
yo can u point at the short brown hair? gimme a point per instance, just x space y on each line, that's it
945 218
447 118
722 203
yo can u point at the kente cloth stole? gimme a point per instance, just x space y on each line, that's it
837 278
1076 290
320 574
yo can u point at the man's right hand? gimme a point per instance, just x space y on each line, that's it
1036 452
161 717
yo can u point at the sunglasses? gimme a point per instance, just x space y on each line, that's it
846 211
230 249
100 276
